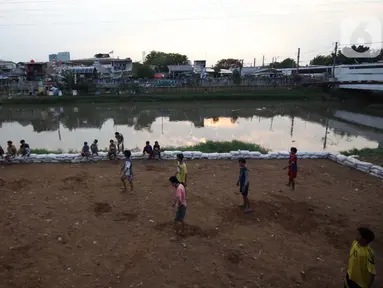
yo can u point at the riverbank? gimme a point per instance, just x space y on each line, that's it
70 226
367 154
178 94
204 147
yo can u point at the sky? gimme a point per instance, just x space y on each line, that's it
202 29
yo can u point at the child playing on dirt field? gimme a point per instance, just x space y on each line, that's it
94 147
148 150
1 152
293 167
243 183
120 141
157 151
361 264
180 203
126 171
112 153
85 150
182 171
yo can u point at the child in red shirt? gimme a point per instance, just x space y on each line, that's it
293 167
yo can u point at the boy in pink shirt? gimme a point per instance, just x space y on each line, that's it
180 202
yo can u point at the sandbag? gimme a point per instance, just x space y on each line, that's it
341 158
273 155
213 155
188 154
41 156
333 156
224 156
205 156
284 153
363 169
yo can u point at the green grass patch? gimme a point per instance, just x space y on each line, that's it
46 151
220 147
364 152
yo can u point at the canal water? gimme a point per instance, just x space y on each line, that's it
274 125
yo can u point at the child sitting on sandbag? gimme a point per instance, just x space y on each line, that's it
112 153
85 150
24 149
1 152
157 151
11 152
94 147
148 150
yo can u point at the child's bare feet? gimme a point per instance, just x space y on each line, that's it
247 210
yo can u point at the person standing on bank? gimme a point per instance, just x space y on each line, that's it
243 183
120 142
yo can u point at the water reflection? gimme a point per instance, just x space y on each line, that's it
276 126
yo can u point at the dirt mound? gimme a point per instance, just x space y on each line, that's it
101 208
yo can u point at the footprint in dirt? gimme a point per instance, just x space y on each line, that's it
79 178
190 230
17 184
100 208
125 216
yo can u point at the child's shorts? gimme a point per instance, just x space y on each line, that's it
292 174
245 190
128 177
180 214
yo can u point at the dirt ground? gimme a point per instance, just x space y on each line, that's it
68 225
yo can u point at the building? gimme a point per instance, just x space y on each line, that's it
121 65
52 57
35 71
59 57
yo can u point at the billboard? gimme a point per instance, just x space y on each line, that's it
199 66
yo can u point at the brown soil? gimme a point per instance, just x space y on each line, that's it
70 226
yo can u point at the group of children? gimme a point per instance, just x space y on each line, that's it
361 267
114 149
12 151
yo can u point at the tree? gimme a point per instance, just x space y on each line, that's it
322 60
342 59
140 70
161 60
227 64
286 63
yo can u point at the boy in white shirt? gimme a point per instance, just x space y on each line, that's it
126 171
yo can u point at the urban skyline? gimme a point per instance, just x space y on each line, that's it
200 29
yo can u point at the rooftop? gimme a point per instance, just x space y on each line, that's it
180 68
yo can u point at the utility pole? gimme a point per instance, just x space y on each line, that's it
298 58
254 62
334 59
263 61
